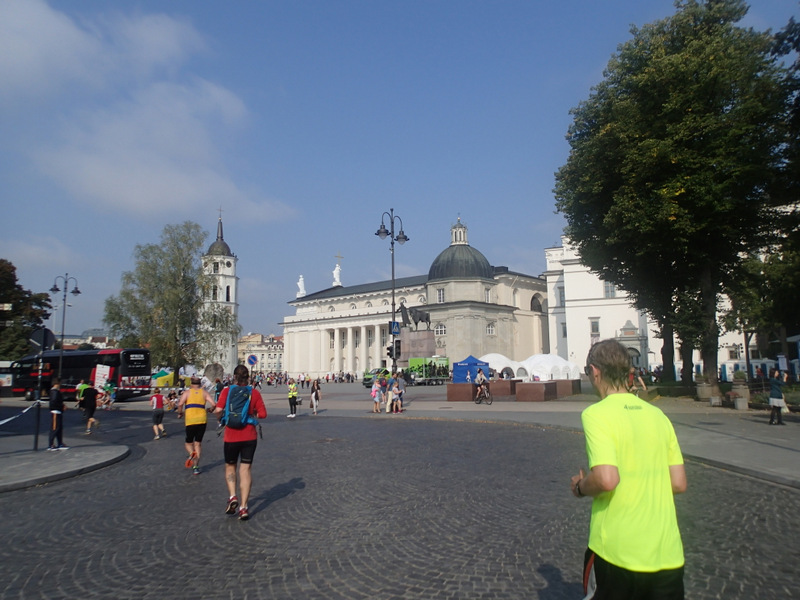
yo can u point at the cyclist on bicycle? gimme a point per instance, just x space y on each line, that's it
480 382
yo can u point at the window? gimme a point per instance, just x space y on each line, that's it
370 338
536 304
490 329
353 306
213 292
357 338
330 333
594 330
609 290
227 293
440 296
563 330
216 267
439 329
487 293
562 298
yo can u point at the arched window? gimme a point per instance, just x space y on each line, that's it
368 304
422 300
331 309
227 293
440 329
385 302
490 329
214 291
216 267
536 304
353 306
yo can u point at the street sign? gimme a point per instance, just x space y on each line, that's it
252 360
394 327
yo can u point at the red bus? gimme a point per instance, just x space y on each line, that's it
127 369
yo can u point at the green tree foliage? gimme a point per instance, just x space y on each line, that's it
670 158
28 313
160 305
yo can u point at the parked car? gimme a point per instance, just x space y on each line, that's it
369 376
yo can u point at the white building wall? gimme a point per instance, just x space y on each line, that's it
585 300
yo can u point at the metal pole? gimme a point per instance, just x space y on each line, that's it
391 251
63 321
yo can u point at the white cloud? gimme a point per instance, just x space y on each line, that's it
41 48
129 131
43 252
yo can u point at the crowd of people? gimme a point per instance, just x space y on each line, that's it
387 393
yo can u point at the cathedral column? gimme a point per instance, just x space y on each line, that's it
337 350
323 338
376 350
363 351
349 354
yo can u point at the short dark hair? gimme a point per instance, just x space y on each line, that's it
241 375
612 360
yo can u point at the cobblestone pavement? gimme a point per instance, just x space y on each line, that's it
355 508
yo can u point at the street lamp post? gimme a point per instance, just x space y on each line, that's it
54 290
400 239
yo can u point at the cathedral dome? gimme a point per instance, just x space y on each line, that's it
460 260
219 247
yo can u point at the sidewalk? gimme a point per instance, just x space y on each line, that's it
739 441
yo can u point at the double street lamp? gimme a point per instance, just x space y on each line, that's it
54 290
400 238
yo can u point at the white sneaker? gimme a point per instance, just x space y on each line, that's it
289 416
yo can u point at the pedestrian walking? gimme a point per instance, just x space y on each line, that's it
292 395
240 444
57 408
777 403
195 401
157 402
88 402
635 468
316 395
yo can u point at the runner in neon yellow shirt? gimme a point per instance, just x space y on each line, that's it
636 467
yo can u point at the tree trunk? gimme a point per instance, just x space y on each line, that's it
687 377
709 341
668 353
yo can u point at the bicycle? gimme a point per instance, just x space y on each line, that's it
484 395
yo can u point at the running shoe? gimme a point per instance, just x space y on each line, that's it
62 447
190 461
243 514
196 471
233 504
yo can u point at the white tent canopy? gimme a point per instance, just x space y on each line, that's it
541 367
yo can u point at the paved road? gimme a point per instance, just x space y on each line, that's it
349 505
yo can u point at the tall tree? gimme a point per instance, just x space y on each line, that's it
28 312
664 187
160 305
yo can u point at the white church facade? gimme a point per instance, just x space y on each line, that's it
471 308
584 309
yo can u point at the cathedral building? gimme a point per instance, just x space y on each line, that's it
469 306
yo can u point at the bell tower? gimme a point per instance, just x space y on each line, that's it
219 264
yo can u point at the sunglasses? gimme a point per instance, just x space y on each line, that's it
588 370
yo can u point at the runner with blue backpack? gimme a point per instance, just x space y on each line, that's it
239 407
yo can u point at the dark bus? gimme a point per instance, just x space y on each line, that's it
127 369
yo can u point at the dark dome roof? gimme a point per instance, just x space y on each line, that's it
460 261
219 248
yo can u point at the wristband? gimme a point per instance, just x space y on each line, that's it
578 489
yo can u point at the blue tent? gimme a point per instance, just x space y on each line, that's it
469 365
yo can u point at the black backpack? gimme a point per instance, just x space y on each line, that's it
237 407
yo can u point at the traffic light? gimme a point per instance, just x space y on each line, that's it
390 351
397 349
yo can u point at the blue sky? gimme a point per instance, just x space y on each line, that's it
304 121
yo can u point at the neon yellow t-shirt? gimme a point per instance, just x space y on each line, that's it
634 526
